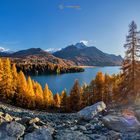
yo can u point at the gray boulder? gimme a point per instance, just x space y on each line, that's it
70 135
121 123
114 135
39 134
90 112
83 128
11 131
97 137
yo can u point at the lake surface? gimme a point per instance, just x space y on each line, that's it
59 82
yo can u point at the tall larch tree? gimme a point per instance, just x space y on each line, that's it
107 88
57 100
1 74
84 96
116 93
131 64
48 97
87 94
7 90
30 93
92 92
63 100
99 87
22 90
38 94
68 104
75 97
15 76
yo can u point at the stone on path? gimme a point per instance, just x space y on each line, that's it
39 134
90 112
11 131
121 123
70 135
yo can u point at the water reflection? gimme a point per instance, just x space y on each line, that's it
59 82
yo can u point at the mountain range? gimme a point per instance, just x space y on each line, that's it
81 55
36 56
78 54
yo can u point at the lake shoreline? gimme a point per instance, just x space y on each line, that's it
97 66
86 66
57 83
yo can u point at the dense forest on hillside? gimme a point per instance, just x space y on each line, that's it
122 88
35 61
40 64
48 68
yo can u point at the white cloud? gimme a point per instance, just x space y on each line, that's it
52 50
89 42
2 49
86 42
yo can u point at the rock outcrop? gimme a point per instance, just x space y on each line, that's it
11 131
90 112
39 134
121 123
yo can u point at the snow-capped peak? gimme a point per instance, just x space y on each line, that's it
52 50
80 45
2 49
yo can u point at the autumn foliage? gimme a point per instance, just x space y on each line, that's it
22 91
17 89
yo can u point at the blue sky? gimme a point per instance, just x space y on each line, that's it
46 24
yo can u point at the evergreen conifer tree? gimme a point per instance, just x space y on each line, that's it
130 67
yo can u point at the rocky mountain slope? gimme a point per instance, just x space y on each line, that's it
88 56
36 55
21 124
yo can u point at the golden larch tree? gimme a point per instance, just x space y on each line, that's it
57 100
30 93
63 100
1 74
21 89
38 94
7 90
75 97
99 87
48 97
15 76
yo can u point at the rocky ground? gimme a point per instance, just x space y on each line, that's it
20 124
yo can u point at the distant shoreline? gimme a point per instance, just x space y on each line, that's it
95 66
86 66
